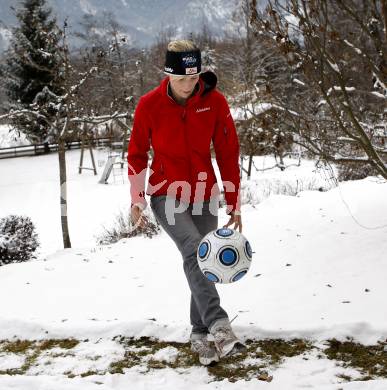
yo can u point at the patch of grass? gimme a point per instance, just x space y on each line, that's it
149 346
32 350
88 373
28 362
157 364
232 372
277 349
370 360
58 343
260 357
18 346
11 371
233 368
267 353
345 377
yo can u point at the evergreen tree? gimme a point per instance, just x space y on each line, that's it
32 63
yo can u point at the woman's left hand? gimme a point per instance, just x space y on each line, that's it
237 219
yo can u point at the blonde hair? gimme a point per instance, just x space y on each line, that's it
181 45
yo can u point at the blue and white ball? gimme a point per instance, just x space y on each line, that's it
224 255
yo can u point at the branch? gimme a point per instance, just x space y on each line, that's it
75 88
19 113
100 119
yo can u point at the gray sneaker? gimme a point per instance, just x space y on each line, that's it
205 349
226 342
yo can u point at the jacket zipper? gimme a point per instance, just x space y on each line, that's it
187 147
185 137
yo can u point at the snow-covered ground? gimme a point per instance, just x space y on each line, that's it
30 186
318 273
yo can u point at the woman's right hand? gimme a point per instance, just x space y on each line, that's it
236 218
138 218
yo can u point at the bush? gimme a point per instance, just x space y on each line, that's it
18 239
355 171
255 191
123 228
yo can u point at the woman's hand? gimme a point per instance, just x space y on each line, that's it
235 218
138 218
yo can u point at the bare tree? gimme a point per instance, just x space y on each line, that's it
339 49
250 67
110 50
63 117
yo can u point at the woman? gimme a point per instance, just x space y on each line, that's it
179 119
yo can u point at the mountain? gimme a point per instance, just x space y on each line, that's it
141 20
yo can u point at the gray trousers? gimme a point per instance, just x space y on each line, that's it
187 228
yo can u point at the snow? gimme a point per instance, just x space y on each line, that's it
10 360
176 380
378 94
250 110
84 357
10 138
337 88
5 36
334 66
4 239
45 53
294 30
87 7
213 10
317 273
168 354
239 113
297 81
358 51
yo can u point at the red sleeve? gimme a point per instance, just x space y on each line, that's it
226 145
138 147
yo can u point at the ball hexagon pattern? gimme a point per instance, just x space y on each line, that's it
224 255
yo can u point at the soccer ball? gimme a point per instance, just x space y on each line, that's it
224 255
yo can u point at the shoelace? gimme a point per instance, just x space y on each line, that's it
202 345
222 332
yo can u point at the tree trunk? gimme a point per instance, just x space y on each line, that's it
281 157
63 193
46 147
250 166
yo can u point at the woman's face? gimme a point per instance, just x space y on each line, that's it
183 86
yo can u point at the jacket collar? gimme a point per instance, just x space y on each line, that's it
207 82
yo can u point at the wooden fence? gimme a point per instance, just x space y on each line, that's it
38 149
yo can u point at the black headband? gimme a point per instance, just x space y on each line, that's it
183 63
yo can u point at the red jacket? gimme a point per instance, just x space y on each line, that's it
180 137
